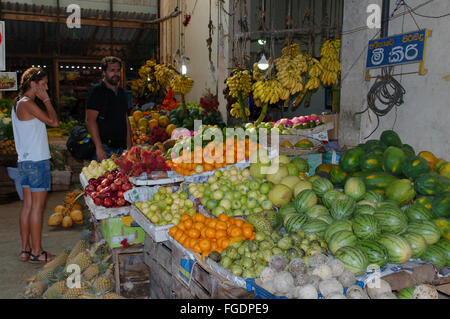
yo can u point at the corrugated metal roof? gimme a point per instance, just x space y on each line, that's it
32 37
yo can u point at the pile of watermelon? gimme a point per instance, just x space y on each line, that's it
364 226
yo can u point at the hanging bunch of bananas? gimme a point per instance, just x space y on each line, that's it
163 74
269 91
240 83
152 78
257 73
236 111
315 70
290 66
181 84
330 61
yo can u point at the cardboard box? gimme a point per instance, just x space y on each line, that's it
333 134
114 231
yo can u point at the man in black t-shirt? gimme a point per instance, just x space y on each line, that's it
106 112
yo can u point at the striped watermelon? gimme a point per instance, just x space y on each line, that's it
355 188
343 208
367 202
391 220
326 218
336 226
315 226
364 210
427 229
341 239
366 227
330 196
397 247
294 222
376 252
316 211
373 196
322 185
406 293
435 255
417 243
353 258
286 209
305 200
416 211
445 245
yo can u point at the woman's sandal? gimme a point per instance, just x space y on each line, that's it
28 253
34 259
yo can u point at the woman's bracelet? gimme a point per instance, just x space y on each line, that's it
47 99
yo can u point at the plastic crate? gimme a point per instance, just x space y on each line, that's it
261 293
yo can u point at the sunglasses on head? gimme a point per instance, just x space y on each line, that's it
35 76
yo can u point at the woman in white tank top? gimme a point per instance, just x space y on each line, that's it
30 136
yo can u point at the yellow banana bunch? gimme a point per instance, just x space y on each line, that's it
163 74
181 84
236 111
315 68
291 50
330 61
290 66
313 83
241 81
270 91
257 73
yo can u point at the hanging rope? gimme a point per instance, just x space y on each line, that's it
388 92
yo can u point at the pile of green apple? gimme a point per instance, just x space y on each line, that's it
249 257
233 192
166 206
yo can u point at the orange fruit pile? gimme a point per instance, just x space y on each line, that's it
212 156
204 235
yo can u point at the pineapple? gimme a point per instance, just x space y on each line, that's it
58 288
73 293
90 272
58 261
35 289
104 282
82 245
112 295
83 260
46 274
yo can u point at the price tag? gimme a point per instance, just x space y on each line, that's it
185 270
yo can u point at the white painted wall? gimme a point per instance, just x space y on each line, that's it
423 120
195 36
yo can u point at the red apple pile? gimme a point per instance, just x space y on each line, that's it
108 189
137 161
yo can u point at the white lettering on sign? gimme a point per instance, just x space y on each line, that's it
377 56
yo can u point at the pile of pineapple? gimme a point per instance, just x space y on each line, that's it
69 213
56 277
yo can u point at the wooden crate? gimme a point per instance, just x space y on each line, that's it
161 280
333 134
160 252
180 289
129 266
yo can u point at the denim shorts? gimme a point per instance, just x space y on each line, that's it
35 175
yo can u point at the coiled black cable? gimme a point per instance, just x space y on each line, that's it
388 91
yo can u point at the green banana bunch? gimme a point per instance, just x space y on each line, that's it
181 84
312 84
241 81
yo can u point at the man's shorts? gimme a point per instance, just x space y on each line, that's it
35 175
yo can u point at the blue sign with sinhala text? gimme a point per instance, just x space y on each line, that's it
399 49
